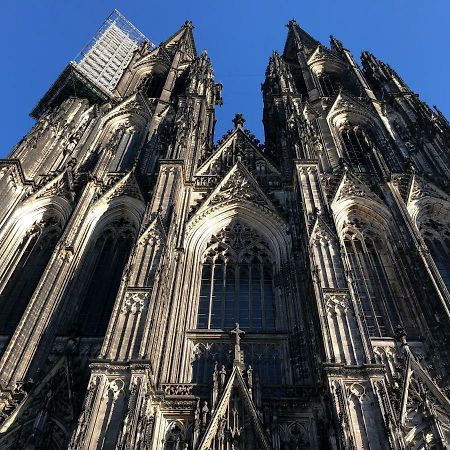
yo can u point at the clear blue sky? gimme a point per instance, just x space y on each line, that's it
39 38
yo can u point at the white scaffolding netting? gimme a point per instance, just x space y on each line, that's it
105 58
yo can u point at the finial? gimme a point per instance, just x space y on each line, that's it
238 359
238 122
292 23
188 24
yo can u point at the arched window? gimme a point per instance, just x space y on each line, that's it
328 85
373 272
174 439
237 282
437 238
35 251
357 147
104 266
152 85
124 143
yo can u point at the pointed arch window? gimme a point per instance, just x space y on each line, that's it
174 439
34 254
373 275
357 147
328 85
437 238
125 145
152 85
103 268
237 282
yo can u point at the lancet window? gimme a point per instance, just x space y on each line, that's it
153 85
103 268
34 254
124 143
357 147
437 238
373 275
237 282
328 85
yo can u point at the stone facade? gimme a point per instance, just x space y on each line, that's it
162 291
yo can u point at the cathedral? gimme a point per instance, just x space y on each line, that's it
161 289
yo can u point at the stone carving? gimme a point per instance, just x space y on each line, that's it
135 302
291 239
238 187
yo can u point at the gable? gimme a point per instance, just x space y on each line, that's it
346 108
238 185
236 399
126 185
422 400
238 147
352 186
323 60
136 104
420 188
49 402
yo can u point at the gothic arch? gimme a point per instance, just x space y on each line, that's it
426 206
366 233
145 69
132 116
104 248
27 244
269 225
431 216
357 130
354 207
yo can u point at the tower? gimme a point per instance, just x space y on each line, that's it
160 290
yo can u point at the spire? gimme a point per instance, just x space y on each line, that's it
183 37
188 24
297 38
336 44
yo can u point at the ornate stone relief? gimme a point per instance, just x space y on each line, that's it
135 302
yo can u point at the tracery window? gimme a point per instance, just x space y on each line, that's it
103 268
357 147
373 274
237 282
34 254
174 439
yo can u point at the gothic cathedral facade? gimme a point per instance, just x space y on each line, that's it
162 290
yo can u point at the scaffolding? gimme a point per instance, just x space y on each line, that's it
96 70
104 59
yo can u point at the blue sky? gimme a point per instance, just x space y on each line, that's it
40 37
